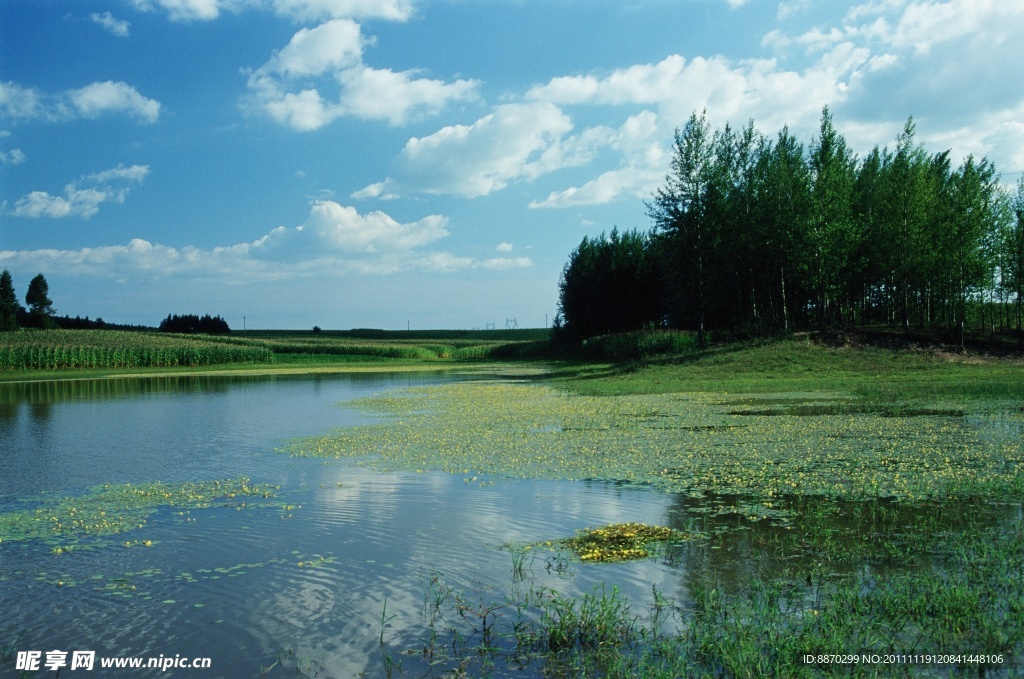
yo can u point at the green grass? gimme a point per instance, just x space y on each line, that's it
799 365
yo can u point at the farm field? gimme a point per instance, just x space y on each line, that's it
47 354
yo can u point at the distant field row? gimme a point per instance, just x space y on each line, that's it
81 349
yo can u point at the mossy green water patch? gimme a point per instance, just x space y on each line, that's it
622 541
682 442
111 509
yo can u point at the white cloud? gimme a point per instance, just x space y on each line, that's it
115 26
504 247
20 102
515 142
82 198
645 160
382 94
506 263
329 56
12 157
301 10
305 111
307 10
943 61
312 51
190 10
928 22
101 97
90 101
334 240
343 228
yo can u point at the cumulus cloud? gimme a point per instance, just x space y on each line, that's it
943 61
309 10
82 198
333 240
330 57
91 101
504 247
20 102
343 228
301 10
109 23
189 10
101 97
515 142
12 157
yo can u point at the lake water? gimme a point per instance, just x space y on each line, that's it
312 578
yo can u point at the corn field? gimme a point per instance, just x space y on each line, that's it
68 349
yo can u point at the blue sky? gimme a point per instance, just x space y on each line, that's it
378 163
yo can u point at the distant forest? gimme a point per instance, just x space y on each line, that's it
756 235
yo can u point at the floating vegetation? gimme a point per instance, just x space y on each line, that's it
622 541
111 509
688 443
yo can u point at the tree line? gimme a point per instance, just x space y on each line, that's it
40 313
757 235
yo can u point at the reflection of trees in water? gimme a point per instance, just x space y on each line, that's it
40 395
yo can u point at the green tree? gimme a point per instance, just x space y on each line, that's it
904 220
972 202
782 195
610 284
679 211
8 303
830 233
1013 244
40 312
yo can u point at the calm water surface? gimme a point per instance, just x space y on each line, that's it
226 583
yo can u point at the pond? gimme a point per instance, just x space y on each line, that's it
309 577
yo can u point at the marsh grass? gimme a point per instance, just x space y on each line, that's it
812 586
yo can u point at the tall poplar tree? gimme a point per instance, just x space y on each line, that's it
679 211
8 303
1013 274
830 234
40 312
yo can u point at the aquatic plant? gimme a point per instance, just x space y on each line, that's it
693 443
621 541
110 509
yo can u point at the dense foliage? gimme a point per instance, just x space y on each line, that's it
9 307
613 284
40 307
191 324
765 235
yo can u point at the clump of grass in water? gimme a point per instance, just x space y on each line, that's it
621 541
